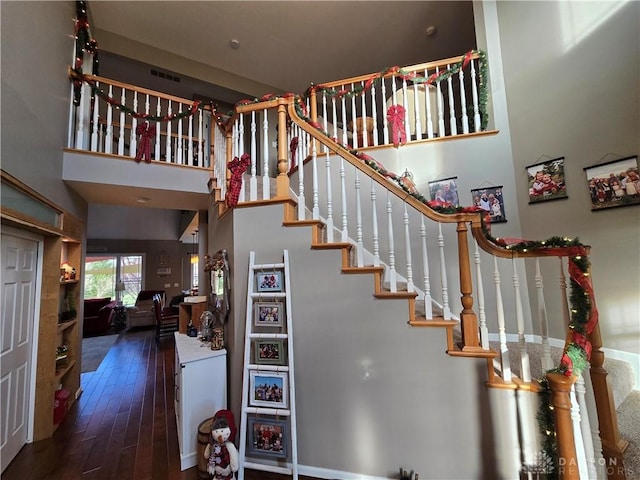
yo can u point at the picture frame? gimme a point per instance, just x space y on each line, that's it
268 314
445 192
268 389
269 352
269 281
490 199
614 184
546 181
267 437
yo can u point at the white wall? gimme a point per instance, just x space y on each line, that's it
37 45
572 74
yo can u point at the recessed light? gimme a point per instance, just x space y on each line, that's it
142 199
235 44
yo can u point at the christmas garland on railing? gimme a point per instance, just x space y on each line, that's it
413 77
84 43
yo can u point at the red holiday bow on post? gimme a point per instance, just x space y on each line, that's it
395 117
237 167
145 133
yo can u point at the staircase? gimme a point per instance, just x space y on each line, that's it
341 187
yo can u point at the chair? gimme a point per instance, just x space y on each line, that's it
142 314
166 318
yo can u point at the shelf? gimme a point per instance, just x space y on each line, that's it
62 326
63 371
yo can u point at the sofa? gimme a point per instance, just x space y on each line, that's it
97 316
142 314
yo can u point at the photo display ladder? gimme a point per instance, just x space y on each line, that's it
268 439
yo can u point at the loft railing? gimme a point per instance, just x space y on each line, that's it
111 117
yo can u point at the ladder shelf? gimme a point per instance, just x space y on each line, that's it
268 439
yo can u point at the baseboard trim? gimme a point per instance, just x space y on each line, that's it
326 473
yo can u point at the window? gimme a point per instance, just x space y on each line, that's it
104 272
194 272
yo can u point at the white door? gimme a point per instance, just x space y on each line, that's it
19 270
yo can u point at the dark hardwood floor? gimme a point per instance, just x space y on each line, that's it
121 427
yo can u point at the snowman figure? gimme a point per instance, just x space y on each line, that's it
221 453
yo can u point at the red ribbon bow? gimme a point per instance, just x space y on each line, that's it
237 167
145 133
395 117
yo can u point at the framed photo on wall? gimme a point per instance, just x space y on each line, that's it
614 184
268 314
269 281
490 200
267 437
546 181
269 352
268 389
444 192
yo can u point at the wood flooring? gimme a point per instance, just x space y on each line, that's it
122 426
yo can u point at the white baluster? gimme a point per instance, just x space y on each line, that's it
96 124
190 142
474 93
563 296
179 156
374 226
547 363
359 242
443 275
482 317
201 162
108 140
324 118
133 142
452 107
440 101
427 100
240 150
505 361
343 199
363 105
354 130
525 367
329 227
416 110
463 103
385 122
598 459
301 197
576 414
266 182
253 180
405 101
158 127
168 153
345 127
374 114
393 281
425 268
407 238
334 119
585 426
123 101
315 212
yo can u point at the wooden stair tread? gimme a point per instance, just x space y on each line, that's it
365 269
331 246
395 294
302 223
476 352
434 322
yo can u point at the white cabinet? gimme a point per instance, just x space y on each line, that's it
200 391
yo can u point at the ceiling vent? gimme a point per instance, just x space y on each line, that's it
165 75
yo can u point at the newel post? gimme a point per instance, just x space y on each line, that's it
468 319
282 180
613 446
560 386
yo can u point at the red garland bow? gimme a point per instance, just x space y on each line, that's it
237 167
582 341
395 117
567 365
145 133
